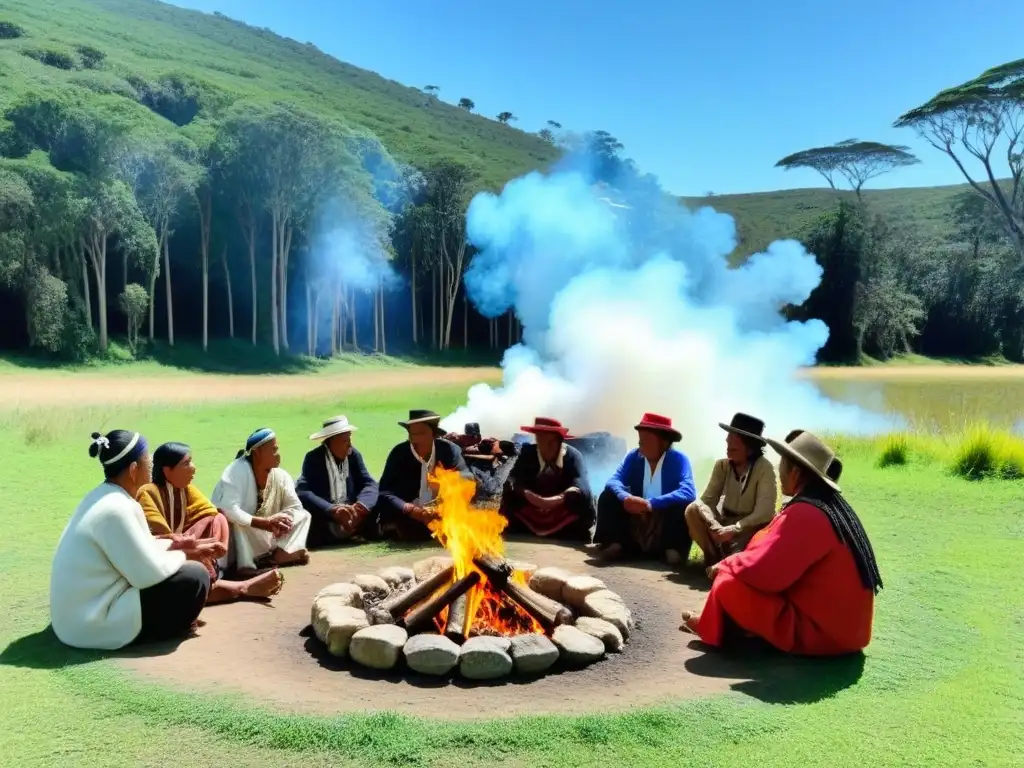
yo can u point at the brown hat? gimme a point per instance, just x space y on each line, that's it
810 453
745 426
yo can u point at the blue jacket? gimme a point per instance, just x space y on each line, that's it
676 480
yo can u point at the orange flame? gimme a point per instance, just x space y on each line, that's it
468 533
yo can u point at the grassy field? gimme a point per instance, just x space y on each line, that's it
940 684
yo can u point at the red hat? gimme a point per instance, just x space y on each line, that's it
663 424
544 424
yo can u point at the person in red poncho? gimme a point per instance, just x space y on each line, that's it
807 583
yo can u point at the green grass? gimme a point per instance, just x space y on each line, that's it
940 683
233 61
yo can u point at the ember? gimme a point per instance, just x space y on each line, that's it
470 535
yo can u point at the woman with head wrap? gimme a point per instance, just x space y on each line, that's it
268 524
112 583
175 507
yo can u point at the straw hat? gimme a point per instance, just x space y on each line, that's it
745 426
336 425
544 424
662 424
810 453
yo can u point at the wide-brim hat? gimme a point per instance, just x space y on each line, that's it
422 416
336 425
744 425
809 452
662 424
552 426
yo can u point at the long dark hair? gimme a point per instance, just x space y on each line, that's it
847 526
113 444
168 456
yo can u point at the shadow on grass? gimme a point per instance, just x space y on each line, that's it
42 650
777 678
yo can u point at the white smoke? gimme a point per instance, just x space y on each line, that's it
628 305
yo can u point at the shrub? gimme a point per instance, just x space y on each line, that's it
985 452
51 57
9 31
92 58
895 450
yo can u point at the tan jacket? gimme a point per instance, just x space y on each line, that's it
747 505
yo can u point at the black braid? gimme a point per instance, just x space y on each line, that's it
848 528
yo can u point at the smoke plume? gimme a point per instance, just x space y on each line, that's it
628 305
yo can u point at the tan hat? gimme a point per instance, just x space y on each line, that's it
809 452
336 425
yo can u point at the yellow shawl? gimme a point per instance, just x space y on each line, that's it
169 510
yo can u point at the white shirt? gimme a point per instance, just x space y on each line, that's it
559 461
426 466
237 496
652 479
105 556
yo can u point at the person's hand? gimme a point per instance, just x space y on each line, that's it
634 505
418 513
280 523
343 515
712 571
207 549
724 533
538 501
181 541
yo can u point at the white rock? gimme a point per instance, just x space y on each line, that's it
549 582
378 647
485 658
350 593
424 569
533 654
431 654
603 630
578 587
526 568
605 604
397 575
576 647
372 585
334 623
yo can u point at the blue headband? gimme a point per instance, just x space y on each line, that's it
256 439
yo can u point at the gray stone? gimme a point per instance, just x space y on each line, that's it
424 569
578 587
533 654
605 604
378 647
603 630
397 575
549 582
485 658
347 592
334 623
431 654
372 585
576 647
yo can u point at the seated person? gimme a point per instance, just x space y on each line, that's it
807 583
489 460
641 508
112 583
336 488
547 493
405 493
745 486
174 507
268 524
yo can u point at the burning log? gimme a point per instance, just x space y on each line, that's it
422 616
398 605
455 629
548 613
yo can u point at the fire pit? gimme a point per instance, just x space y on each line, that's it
472 610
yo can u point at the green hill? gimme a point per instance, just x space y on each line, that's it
766 216
126 46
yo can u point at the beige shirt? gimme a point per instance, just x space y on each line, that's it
747 502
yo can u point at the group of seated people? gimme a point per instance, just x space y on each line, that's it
145 551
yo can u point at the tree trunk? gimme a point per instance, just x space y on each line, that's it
205 205
352 310
282 268
153 274
274 307
383 322
227 285
412 274
434 282
167 282
465 321
97 250
86 289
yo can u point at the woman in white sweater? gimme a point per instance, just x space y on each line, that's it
112 583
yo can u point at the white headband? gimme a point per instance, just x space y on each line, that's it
127 449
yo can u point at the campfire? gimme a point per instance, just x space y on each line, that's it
474 609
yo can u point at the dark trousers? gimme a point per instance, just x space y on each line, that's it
613 527
170 607
321 533
395 525
578 530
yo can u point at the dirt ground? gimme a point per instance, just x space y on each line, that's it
264 652
33 390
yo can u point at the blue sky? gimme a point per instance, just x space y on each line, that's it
706 96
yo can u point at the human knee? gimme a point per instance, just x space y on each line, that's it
194 577
693 513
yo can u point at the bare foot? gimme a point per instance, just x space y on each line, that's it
690 620
611 552
281 557
264 586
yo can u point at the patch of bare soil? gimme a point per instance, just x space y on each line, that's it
262 651
33 390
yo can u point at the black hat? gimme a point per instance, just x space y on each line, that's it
419 416
745 426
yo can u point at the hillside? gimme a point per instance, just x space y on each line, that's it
144 41
766 216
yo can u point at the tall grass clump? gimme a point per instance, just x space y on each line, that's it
895 450
986 452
